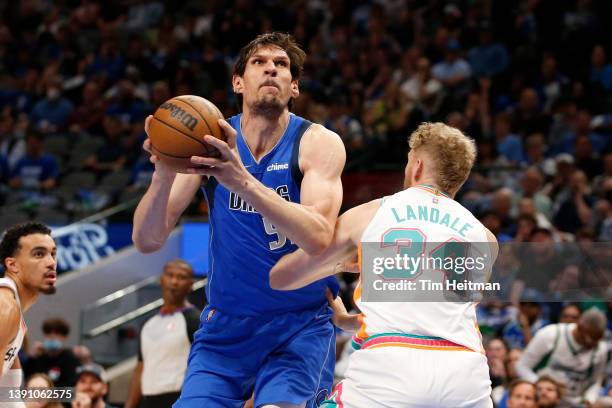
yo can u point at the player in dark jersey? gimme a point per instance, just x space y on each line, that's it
275 187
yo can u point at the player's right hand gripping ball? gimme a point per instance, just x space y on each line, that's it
178 127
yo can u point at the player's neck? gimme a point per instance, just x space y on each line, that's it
27 297
260 133
432 184
168 308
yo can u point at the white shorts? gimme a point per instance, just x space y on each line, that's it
403 377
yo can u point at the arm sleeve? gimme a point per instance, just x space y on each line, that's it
599 373
537 349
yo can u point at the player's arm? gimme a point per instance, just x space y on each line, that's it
299 268
9 321
160 208
493 250
135 391
309 224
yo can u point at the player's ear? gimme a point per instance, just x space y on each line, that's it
418 170
295 89
11 264
237 85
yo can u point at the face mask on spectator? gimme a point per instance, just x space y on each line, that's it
52 344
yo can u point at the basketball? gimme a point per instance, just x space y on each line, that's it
178 127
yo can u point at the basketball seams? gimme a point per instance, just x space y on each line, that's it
196 110
205 145
170 155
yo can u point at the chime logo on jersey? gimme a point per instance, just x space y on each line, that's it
278 166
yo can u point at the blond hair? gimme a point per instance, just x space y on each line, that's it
452 152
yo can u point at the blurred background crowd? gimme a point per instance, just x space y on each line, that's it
529 80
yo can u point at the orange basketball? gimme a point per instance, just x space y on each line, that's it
178 127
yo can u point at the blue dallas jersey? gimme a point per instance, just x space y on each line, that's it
244 246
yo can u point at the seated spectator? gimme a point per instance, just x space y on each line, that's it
346 126
580 127
493 223
489 58
142 171
453 72
501 205
37 170
525 226
53 112
423 89
87 117
570 313
521 394
111 156
42 382
526 207
542 256
12 140
601 70
509 145
598 181
574 207
124 103
549 393
586 159
52 357
563 170
528 117
573 354
531 186
520 330
500 393
91 387
550 83
535 154
497 352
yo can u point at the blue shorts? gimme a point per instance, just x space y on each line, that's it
287 357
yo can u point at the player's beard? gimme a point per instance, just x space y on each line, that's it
49 290
270 107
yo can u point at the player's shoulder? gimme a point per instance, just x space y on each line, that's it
550 331
318 140
317 133
10 312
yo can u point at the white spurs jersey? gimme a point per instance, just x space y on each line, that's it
15 345
423 219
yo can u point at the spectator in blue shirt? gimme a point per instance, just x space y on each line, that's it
37 170
509 145
52 112
490 58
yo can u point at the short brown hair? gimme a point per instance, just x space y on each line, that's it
452 152
549 379
516 383
284 41
56 325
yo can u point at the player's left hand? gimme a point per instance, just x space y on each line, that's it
341 318
228 168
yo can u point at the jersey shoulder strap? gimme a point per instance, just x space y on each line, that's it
546 358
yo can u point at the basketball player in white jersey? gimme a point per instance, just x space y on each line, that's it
412 354
28 255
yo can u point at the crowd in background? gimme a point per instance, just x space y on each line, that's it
529 80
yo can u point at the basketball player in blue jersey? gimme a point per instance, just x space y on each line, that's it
275 187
